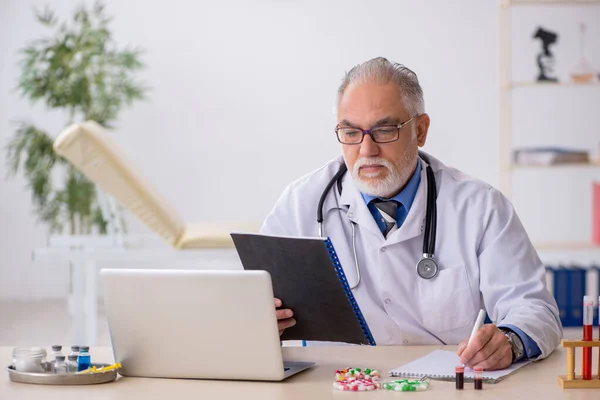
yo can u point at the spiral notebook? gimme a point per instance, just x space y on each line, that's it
307 276
440 364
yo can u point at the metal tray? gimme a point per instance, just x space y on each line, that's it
62 379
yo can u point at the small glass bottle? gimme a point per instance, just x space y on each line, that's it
56 351
460 377
29 359
59 366
74 351
478 378
72 364
84 360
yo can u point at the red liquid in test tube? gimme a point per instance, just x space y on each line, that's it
588 333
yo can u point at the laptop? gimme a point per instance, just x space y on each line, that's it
195 324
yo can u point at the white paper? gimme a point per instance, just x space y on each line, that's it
440 364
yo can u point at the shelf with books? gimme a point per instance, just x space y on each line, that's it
551 157
567 246
593 164
533 84
553 2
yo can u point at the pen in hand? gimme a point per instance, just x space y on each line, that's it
478 324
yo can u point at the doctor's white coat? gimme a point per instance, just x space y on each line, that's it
485 257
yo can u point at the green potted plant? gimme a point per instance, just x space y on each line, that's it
78 68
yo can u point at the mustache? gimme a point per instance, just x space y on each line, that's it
361 162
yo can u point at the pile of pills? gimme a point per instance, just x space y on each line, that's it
362 380
349 374
405 385
358 385
357 379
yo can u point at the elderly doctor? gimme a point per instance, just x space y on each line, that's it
377 211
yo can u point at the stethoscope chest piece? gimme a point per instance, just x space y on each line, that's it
427 267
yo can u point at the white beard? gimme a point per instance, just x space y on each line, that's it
397 177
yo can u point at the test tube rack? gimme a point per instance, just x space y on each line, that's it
572 381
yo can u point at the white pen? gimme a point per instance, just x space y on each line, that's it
478 324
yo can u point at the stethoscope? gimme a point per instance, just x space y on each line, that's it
427 267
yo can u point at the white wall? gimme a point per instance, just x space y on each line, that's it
242 100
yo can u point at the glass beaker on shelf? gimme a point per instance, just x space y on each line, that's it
582 72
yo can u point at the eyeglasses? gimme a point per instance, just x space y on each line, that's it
379 134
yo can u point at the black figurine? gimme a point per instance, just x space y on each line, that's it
545 60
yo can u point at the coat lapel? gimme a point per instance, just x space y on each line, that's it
358 212
414 224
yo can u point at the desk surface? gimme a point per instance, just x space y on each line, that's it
536 381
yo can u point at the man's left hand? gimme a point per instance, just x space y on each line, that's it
489 349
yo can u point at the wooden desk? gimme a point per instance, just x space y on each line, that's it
535 381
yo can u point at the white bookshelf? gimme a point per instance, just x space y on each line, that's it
594 164
507 88
570 246
517 85
551 2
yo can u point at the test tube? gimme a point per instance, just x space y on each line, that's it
478 378
588 333
460 377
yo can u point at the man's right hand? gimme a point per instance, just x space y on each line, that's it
284 317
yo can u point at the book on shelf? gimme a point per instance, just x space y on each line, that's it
550 156
596 213
568 284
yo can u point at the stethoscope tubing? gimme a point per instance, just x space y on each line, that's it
427 267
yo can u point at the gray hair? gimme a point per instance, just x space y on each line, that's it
380 70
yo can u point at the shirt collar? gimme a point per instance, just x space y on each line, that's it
407 195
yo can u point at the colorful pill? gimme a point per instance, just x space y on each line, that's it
405 385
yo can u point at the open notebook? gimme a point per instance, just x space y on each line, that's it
90 148
440 364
